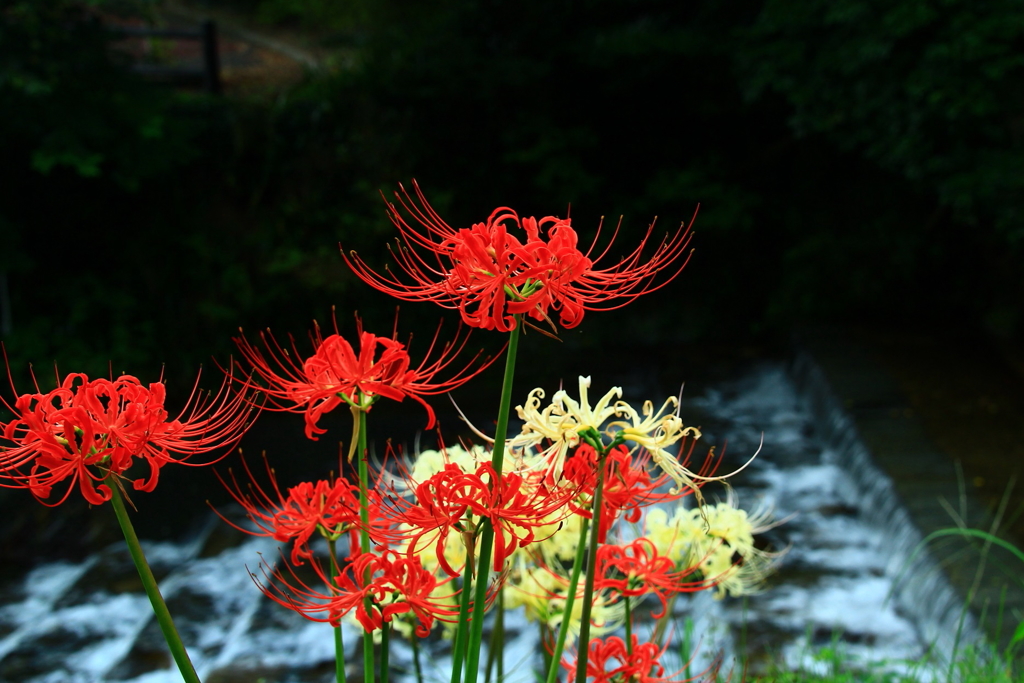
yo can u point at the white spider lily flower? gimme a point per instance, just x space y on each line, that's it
655 432
558 427
561 421
581 413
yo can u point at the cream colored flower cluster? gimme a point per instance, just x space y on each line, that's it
711 546
718 554
561 423
718 542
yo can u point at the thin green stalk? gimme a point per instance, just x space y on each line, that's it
570 598
629 626
686 651
385 642
495 651
498 454
359 427
339 645
359 417
975 533
491 655
461 636
588 591
499 627
545 638
416 658
476 618
487 539
163 616
999 614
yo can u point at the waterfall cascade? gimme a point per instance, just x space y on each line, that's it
923 590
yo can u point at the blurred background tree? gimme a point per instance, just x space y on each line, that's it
928 91
853 160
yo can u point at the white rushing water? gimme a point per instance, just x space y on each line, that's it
834 583
65 623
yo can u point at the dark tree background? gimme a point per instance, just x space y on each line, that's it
853 160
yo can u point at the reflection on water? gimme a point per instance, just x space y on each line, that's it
90 621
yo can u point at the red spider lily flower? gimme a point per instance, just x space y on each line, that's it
610 661
516 507
441 505
455 500
628 486
400 585
396 584
489 274
636 568
87 431
330 508
336 373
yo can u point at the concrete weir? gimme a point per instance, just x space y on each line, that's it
922 590
885 427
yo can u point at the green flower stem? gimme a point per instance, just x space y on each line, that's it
495 651
588 591
461 631
499 627
163 616
686 648
385 642
545 637
629 625
364 475
359 429
498 454
459 644
570 599
476 631
489 667
416 658
339 645
476 623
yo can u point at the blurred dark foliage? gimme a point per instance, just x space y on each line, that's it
853 160
929 91
926 89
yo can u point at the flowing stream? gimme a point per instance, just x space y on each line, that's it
845 544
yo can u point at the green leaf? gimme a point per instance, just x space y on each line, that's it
1018 635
